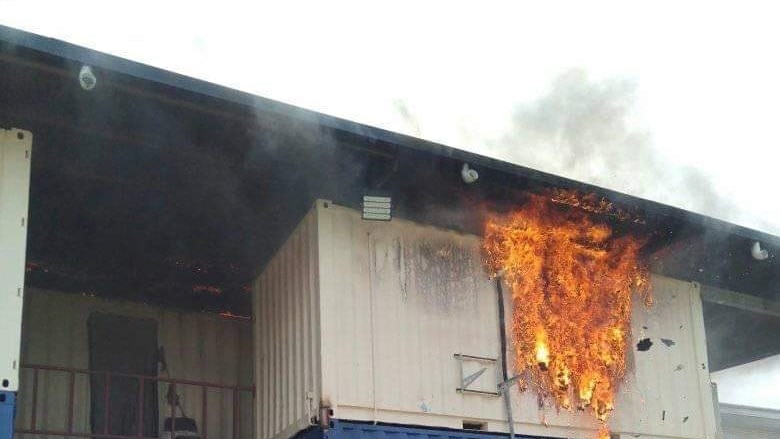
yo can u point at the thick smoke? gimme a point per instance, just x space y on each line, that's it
582 129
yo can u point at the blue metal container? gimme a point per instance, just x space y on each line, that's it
366 430
7 409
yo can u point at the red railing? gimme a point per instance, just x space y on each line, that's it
142 380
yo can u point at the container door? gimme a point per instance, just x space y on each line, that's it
122 345
15 152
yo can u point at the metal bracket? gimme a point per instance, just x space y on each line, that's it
466 381
502 386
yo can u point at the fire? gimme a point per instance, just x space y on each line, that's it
572 279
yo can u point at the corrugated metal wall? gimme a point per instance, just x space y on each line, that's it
286 310
399 300
201 347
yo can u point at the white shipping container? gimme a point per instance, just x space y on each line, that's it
380 321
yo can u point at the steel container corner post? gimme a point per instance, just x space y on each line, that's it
15 155
7 412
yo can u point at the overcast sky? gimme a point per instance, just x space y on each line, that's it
755 383
673 101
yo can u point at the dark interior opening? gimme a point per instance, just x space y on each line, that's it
473 425
120 346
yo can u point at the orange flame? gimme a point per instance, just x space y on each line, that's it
572 279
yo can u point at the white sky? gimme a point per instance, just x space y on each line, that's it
708 72
756 383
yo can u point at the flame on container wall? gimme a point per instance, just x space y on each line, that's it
197 347
572 281
390 303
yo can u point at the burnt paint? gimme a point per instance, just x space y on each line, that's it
644 345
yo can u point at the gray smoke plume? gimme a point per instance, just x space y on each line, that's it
582 129
408 117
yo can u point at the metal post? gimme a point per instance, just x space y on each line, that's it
507 390
71 400
106 403
235 413
34 399
204 413
140 407
173 409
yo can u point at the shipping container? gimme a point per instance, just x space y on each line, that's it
368 430
198 347
381 321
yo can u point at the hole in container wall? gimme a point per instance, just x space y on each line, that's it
471 425
5 383
20 135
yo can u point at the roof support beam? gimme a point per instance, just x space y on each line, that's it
741 301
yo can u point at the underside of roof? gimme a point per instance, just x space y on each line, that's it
162 188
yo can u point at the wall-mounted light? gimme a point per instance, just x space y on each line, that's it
87 79
377 208
468 175
757 252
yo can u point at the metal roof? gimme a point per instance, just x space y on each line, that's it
159 187
94 58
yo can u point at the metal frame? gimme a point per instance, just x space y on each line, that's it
346 429
142 379
466 381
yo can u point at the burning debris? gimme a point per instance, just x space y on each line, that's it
572 281
230 315
594 204
208 289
